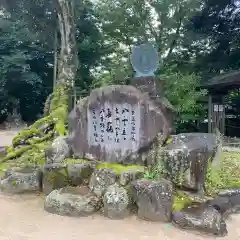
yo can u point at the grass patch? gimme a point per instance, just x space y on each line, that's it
226 175
180 200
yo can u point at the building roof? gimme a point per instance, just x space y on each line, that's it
230 80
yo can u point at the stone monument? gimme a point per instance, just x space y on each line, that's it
120 123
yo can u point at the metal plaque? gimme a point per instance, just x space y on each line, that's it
144 59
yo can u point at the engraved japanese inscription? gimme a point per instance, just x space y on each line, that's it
114 126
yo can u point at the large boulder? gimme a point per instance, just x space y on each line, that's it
117 124
154 199
201 218
117 202
72 201
20 180
187 157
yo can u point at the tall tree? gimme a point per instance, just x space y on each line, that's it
217 25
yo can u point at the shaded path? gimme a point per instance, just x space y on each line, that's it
23 218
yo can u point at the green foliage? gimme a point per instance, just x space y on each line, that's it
180 89
226 175
20 63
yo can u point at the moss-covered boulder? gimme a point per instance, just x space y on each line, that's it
187 157
117 202
58 151
153 198
55 176
101 179
20 180
80 173
201 218
72 201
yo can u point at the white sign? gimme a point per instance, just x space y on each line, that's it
215 108
114 127
218 108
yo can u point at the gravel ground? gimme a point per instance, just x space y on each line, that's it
23 218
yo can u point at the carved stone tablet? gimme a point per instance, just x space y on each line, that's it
144 60
116 124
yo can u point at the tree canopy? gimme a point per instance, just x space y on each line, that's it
196 40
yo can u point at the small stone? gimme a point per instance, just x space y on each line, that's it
58 151
126 176
72 201
80 173
117 202
20 180
154 199
55 176
201 218
101 179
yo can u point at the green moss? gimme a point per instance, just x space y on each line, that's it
118 167
40 140
24 135
3 165
16 153
34 138
56 178
73 160
180 200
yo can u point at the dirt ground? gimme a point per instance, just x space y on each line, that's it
23 218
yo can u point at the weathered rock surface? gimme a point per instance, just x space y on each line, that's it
20 180
108 124
154 199
187 156
201 218
229 192
55 176
117 202
80 173
58 151
129 175
101 179
72 201
227 202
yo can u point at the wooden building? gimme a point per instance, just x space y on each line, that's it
218 87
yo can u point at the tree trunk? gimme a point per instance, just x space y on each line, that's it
68 61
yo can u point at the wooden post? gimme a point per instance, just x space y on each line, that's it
209 113
224 116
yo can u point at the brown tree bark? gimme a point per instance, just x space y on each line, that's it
67 61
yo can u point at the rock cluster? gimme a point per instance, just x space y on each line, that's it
77 183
